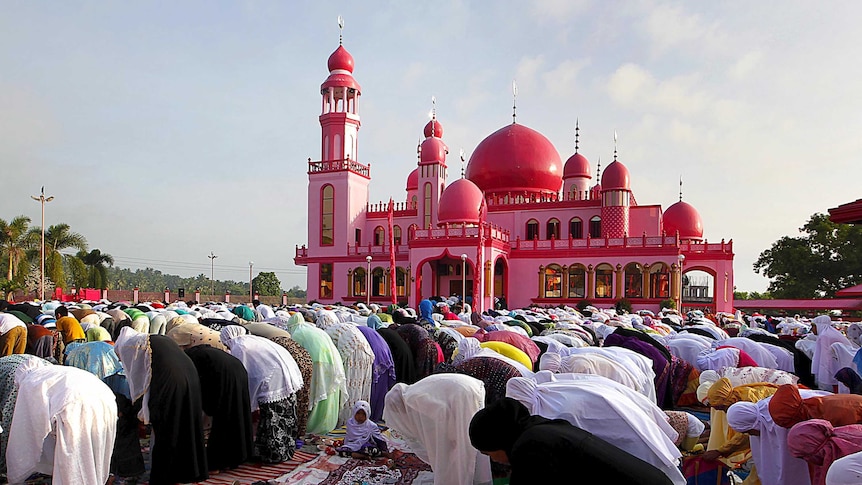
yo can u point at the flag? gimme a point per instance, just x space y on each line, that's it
477 285
392 274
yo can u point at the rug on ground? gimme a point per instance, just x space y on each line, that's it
254 472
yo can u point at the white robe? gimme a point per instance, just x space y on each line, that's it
846 470
823 363
64 425
434 417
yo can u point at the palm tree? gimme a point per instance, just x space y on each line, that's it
57 238
97 260
14 242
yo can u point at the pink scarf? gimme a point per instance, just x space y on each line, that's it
819 443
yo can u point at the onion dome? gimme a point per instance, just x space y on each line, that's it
460 202
413 180
340 60
577 166
616 177
433 151
516 159
683 217
437 127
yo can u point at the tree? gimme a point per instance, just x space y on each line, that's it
14 242
266 284
98 272
296 292
57 238
826 258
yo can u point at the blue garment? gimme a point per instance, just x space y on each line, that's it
858 361
374 322
426 309
96 358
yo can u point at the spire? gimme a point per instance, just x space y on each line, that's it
433 113
680 188
340 29
615 145
577 133
419 151
599 171
462 164
514 99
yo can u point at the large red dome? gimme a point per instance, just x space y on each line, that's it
577 166
413 180
616 177
460 203
683 217
340 60
516 159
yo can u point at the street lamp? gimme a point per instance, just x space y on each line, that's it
681 259
250 291
463 278
43 200
212 257
368 281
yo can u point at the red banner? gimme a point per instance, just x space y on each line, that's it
392 273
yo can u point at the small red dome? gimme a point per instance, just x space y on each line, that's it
438 129
516 159
340 60
433 151
338 80
413 180
577 166
460 203
683 217
616 177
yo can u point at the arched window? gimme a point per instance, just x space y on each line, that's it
633 278
326 147
359 281
379 236
400 281
327 213
659 280
338 152
413 202
396 235
553 284
553 229
326 280
596 226
604 281
426 208
350 153
576 228
577 281
532 229
378 282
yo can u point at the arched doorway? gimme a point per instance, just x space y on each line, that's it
501 270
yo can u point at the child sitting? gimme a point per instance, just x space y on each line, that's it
363 440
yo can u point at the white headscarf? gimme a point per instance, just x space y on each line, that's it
434 416
133 349
755 350
715 359
822 363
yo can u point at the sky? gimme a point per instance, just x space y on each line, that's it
170 130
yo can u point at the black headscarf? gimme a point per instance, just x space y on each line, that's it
499 425
851 379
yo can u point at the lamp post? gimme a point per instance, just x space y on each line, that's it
212 257
681 259
463 278
250 291
368 280
42 199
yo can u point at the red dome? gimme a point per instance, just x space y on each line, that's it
338 80
438 129
460 202
616 177
683 217
577 166
413 180
433 151
516 159
340 60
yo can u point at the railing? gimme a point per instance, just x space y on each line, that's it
382 208
490 231
339 166
371 250
626 242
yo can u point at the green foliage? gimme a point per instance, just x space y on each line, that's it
668 303
824 259
297 292
59 237
623 305
266 284
98 271
150 279
754 295
15 240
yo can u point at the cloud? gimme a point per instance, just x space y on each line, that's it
559 11
670 28
741 70
561 80
527 72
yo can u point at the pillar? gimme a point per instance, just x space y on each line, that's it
227 296
135 295
167 295
645 293
541 281
564 291
591 283
198 295
619 282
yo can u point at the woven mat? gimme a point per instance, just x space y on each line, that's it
250 473
407 468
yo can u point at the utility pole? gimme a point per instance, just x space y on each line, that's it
212 257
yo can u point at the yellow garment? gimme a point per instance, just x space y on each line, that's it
509 351
722 393
720 434
71 329
384 317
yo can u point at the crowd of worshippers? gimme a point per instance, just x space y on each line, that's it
537 392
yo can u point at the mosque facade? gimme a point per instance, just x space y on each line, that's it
520 225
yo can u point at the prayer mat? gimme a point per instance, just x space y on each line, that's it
407 468
249 473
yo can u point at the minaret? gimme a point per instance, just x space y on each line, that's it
338 182
576 172
432 170
616 198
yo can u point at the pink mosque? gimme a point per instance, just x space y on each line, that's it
519 224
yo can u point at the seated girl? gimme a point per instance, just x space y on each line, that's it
364 439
